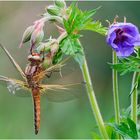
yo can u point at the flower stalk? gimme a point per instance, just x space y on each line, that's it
134 97
91 94
115 90
93 101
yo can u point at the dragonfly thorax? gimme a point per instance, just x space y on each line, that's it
33 69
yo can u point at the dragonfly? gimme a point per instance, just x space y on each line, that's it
32 82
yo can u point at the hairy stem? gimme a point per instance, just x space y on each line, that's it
134 97
115 90
93 101
91 94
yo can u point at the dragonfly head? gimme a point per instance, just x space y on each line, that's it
34 57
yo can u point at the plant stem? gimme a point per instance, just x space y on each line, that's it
91 94
93 100
115 90
134 97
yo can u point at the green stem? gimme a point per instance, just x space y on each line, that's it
134 97
91 94
93 100
57 18
61 37
115 89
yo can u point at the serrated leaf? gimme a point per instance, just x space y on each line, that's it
132 126
70 46
95 26
126 128
81 20
111 133
66 25
127 65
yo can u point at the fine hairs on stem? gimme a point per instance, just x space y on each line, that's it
93 100
115 90
91 94
134 97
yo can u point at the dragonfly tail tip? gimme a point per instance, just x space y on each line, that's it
36 131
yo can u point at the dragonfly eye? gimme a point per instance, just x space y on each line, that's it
34 57
12 87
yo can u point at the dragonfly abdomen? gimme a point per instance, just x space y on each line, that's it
36 101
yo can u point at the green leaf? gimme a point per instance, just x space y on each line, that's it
126 128
58 57
111 133
81 20
127 65
70 46
96 26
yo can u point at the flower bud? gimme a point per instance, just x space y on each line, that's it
38 33
60 3
53 10
36 38
47 62
51 46
43 47
27 34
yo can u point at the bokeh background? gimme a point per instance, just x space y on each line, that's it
73 119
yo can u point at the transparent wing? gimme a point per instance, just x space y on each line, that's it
58 66
54 68
61 93
15 87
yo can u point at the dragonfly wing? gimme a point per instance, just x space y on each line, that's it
54 68
61 93
15 87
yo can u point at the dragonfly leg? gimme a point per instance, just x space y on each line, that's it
15 64
49 74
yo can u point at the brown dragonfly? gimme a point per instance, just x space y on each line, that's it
32 82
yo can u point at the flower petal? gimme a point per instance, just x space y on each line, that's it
125 49
123 37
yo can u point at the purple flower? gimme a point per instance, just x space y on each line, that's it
123 37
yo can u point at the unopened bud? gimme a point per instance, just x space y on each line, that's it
47 62
37 37
60 3
53 10
27 34
43 47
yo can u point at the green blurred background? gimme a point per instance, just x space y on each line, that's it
73 119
